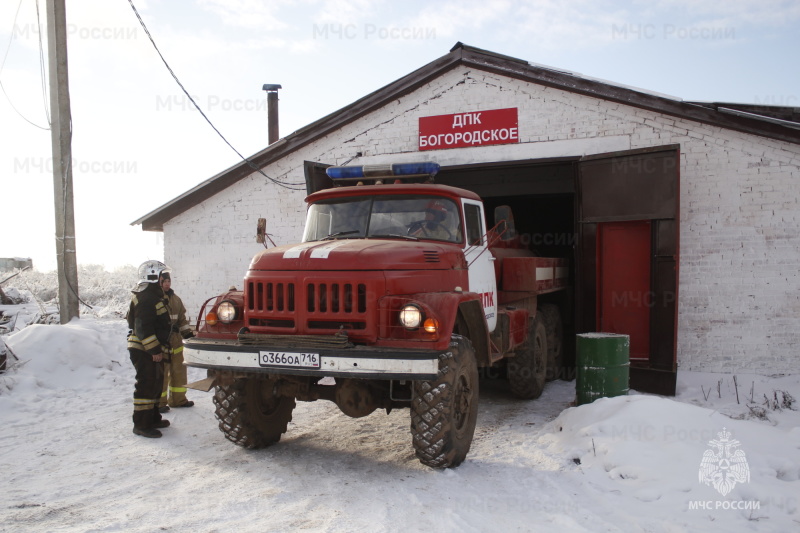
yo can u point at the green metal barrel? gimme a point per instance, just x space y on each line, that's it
603 365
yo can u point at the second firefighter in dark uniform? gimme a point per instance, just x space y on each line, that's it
148 341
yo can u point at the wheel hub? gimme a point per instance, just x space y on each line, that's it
462 402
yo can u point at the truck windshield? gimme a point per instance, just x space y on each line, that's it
412 217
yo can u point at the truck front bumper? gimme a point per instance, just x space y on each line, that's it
353 362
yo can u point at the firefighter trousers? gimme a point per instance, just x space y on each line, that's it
147 391
173 393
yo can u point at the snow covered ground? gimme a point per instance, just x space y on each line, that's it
69 461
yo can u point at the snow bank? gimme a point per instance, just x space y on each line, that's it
79 355
650 449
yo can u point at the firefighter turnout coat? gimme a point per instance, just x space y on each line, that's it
150 326
174 390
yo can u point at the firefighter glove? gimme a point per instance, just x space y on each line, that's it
167 352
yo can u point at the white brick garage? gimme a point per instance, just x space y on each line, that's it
739 287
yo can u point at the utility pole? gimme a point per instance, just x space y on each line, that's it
61 135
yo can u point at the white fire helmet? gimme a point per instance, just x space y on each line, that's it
150 272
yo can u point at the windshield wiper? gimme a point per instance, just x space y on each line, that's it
339 234
396 236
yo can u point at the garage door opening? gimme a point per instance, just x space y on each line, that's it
541 195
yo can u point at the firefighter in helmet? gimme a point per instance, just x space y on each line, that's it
173 393
148 342
433 226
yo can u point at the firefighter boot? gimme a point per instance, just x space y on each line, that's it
143 424
155 418
150 433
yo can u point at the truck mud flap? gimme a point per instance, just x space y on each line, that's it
204 385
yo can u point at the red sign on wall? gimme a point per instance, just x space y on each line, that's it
476 128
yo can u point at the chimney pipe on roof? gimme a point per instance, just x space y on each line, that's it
272 110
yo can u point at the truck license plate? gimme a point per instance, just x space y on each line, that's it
298 360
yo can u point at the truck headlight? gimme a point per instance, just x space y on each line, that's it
411 316
226 312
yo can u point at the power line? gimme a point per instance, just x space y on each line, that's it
41 66
18 111
249 163
5 56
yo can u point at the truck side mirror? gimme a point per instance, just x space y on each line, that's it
261 230
504 216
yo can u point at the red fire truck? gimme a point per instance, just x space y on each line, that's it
396 296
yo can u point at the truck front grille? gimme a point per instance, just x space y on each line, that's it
267 296
336 297
313 303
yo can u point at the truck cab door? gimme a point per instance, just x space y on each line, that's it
480 260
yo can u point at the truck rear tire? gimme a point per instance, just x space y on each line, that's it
555 341
250 415
528 368
444 411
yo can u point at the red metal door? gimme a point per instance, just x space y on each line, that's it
624 297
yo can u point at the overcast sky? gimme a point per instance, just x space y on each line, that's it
138 142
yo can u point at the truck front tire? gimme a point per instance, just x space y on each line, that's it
250 415
528 368
444 412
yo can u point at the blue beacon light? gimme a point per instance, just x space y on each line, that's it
383 171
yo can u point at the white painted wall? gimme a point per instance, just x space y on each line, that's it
739 303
